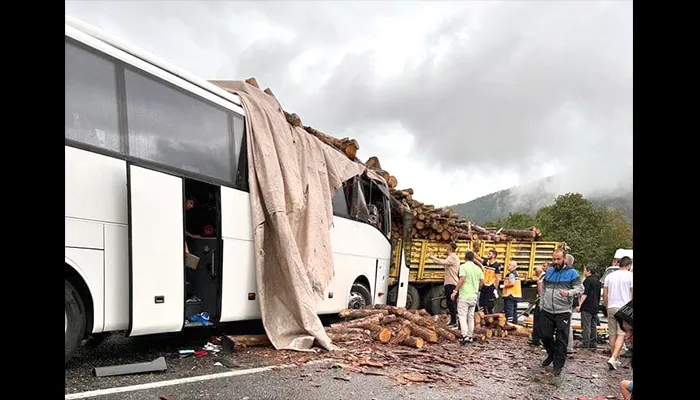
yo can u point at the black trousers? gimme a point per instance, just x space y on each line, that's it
536 335
554 329
590 333
487 299
451 304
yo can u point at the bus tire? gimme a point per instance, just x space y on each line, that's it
360 296
76 319
412 298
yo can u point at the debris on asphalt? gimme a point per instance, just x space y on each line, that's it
157 365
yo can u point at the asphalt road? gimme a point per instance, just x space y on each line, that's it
502 369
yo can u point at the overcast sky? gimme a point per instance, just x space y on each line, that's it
457 99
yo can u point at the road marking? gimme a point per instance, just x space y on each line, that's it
172 382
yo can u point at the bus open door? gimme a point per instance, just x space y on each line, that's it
156 251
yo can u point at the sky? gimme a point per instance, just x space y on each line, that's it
457 99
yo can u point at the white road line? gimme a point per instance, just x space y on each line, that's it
153 385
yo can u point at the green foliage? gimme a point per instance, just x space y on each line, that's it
593 232
514 221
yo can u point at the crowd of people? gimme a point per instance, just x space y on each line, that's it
473 285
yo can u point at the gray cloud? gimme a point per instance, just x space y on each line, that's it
512 86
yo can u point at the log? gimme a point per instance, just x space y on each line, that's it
479 337
360 313
392 182
401 335
424 333
239 341
446 235
445 334
483 331
424 313
416 319
518 330
373 163
346 337
383 334
388 319
519 234
269 92
412 341
252 81
350 147
292 119
343 330
498 319
358 323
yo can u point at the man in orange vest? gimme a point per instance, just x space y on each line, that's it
512 293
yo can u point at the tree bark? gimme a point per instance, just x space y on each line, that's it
360 313
412 341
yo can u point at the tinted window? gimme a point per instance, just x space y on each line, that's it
169 127
91 99
340 205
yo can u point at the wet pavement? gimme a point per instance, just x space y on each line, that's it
503 368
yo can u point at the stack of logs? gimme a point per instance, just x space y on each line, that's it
414 328
399 326
443 225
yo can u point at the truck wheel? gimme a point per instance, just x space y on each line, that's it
435 300
75 320
359 296
412 298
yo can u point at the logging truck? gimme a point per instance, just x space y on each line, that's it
424 288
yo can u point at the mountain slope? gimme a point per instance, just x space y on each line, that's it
528 199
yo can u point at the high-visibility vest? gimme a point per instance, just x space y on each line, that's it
516 291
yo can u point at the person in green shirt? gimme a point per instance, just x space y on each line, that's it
471 279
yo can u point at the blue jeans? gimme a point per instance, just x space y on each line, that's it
510 308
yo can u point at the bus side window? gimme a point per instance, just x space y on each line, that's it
91 114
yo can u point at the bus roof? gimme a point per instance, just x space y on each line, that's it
149 58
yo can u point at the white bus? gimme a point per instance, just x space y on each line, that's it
142 136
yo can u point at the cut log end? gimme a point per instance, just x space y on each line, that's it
384 335
252 81
415 342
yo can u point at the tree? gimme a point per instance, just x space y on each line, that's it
513 221
592 232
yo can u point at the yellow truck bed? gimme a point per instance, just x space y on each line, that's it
423 270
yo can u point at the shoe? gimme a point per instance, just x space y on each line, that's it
557 371
547 361
534 343
569 352
465 340
452 326
583 345
593 346
613 363
194 299
627 354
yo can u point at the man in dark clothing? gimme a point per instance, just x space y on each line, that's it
589 308
492 279
536 337
561 283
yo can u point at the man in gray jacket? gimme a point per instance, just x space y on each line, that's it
561 283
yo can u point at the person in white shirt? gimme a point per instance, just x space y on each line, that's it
616 293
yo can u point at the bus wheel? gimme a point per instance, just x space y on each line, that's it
412 298
75 320
359 296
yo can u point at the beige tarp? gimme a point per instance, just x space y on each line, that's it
292 177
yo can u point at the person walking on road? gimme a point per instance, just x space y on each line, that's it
451 263
492 279
560 284
512 293
589 308
617 291
471 279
